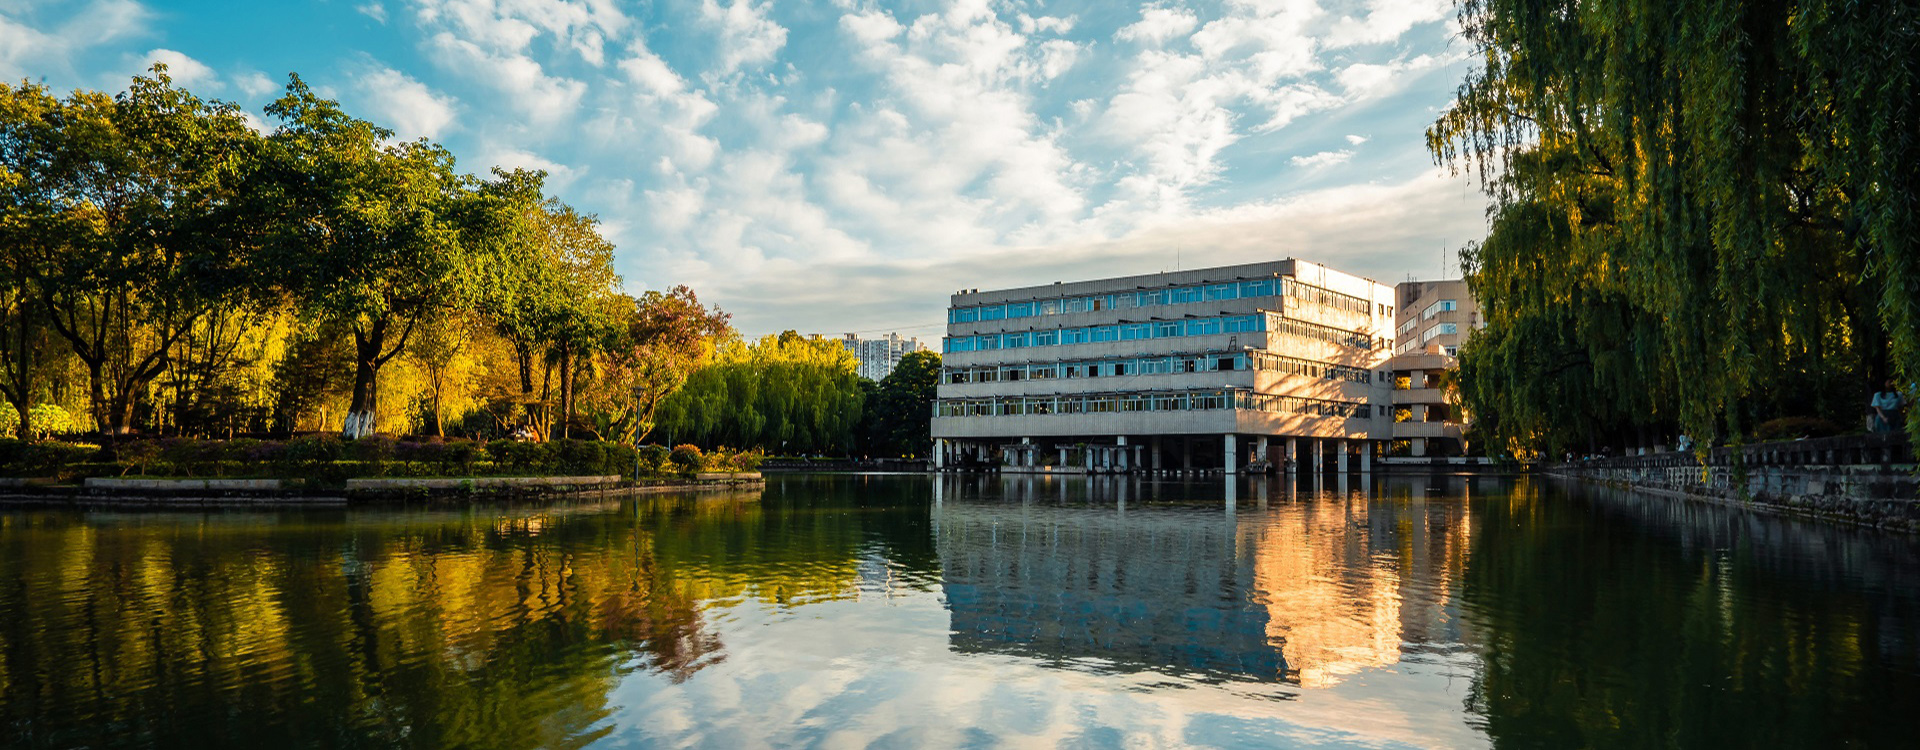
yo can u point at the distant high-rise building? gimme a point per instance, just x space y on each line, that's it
1435 318
878 356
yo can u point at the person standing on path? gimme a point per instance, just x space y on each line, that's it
1886 409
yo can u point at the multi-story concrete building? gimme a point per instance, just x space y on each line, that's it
1190 370
879 356
1434 319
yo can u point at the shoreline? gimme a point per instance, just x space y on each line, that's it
269 494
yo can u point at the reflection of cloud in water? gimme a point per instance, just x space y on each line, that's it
1084 625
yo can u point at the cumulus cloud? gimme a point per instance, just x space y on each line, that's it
407 106
1159 25
1322 159
539 97
1356 139
1385 21
747 35
373 10
185 71
37 40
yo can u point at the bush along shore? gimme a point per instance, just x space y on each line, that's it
203 471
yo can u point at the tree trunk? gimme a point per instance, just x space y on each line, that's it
523 356
566 389
366 374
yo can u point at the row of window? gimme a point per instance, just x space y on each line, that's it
1179 295
1442 329
1440 306
1315 332
1098 334
1104 403
1169 365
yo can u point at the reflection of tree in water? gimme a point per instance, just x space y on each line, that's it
433 631
1615 621
485 628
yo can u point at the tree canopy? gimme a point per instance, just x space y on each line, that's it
1703 214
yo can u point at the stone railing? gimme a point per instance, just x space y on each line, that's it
1868 479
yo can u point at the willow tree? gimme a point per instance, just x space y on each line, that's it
360 231
1703 213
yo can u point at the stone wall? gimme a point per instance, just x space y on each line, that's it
1868 480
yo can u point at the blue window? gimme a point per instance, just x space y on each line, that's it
1020 310
993 312
1046 338
1104 333
1073 335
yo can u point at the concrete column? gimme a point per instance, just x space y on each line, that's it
1186 453
1293 453
1232 453
1319 457
1155 451
1340 457
1366 457
1417 447
1123 454
1027 452
939 453
1260 448
1063 458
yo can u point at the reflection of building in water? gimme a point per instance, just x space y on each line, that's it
1347 581
1304 592
1154 590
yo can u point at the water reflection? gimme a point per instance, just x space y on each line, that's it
920 611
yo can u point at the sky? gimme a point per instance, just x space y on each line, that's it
834 166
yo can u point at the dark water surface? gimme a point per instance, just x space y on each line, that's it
910 611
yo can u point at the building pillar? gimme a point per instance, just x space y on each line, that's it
1293 453
1026 452
939 453
1232 453
1340 456
1366 457
1155 452
1123 453
1319 457
1260 448
1186 453
1417 447
1063 457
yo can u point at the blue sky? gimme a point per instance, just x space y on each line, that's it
844 165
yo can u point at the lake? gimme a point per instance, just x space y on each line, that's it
965 611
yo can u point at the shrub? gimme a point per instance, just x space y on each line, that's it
44 458
686 458
1790 428
653 458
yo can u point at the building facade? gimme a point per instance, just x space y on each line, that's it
879 356
1434 318
1198 370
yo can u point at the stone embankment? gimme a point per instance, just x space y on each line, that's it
1861 479
275 493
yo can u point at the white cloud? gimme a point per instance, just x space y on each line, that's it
255 83
373 10
407 106
1159 25
33 45
1386 21
539 97
1356 139
185 71
508 27
747 35
1322 159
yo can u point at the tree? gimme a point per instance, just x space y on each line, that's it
667 335
900 415
28 200
134 248
360 231
1703 213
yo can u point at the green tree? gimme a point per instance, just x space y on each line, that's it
361 232
137 246
1703 213
900 415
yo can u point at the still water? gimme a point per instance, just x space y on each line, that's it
910 611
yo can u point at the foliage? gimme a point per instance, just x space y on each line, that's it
1703 214
786 392
686 457
898 420
167 270
20 458
1793 428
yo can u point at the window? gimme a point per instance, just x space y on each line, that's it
1439 306
993 312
